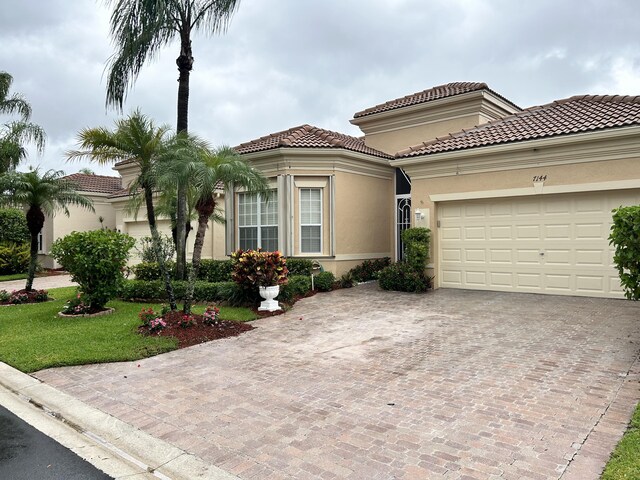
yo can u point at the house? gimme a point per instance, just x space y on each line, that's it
517 199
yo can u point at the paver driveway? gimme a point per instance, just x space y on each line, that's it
366 384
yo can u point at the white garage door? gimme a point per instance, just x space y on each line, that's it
554 244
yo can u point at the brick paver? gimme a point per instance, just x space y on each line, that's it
364 384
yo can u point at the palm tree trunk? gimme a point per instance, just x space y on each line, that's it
35 221
155 241
203 220
185 65
33 261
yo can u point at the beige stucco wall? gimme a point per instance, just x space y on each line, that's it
138 227
396 140
575 173
79 220
363 210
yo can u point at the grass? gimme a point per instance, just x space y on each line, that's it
625 459
33 337
15 276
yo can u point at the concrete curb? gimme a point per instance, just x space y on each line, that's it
145 455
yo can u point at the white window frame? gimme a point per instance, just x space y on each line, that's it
259 225
41 241
311 224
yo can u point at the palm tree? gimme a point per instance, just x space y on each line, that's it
15 134
222 170
139 29
41 195
135 139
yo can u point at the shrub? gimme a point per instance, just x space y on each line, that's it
95 260
255 268
76 306
403 278
347 280
368 270
625 236
215 271
13 226
324 281
203 292
299 266
4 295
14 258
416 242
147 253
298 285
149 270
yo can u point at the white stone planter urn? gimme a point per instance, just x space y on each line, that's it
269 294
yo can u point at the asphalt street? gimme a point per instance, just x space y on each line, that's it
28 454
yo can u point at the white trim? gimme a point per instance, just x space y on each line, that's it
537 190
300 225
360 256
332 213
311 183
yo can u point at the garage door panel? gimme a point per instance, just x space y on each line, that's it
499 256
475 278
529 280
555 244
560 231
589 231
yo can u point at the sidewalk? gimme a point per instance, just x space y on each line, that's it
113 446
39 283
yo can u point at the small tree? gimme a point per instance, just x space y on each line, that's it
409 276
96 261
625 236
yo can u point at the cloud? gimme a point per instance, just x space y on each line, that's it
286 62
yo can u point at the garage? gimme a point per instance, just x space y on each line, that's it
551 244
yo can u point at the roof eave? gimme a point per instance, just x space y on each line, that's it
518 146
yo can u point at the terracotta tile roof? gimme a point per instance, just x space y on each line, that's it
123 192
307 136
435 93
582 113
95 183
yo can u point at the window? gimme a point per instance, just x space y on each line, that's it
40 242
258 222
310 220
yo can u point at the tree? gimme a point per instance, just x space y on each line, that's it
221 170
41 195
139 29
15 134
135 139
625 237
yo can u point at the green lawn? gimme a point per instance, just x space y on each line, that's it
15 276
625 459
33 337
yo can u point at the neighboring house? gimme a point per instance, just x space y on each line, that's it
110 201
99 189
517 200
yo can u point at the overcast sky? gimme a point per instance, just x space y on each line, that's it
288 62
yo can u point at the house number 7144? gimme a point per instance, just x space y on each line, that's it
539 178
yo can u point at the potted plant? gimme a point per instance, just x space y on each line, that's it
265 270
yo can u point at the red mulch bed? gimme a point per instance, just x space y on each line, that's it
198 333
31 297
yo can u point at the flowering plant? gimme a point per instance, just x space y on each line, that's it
211 315
156 324
4 296
186 321
253 268
146 315
76 306
18 297
41 296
